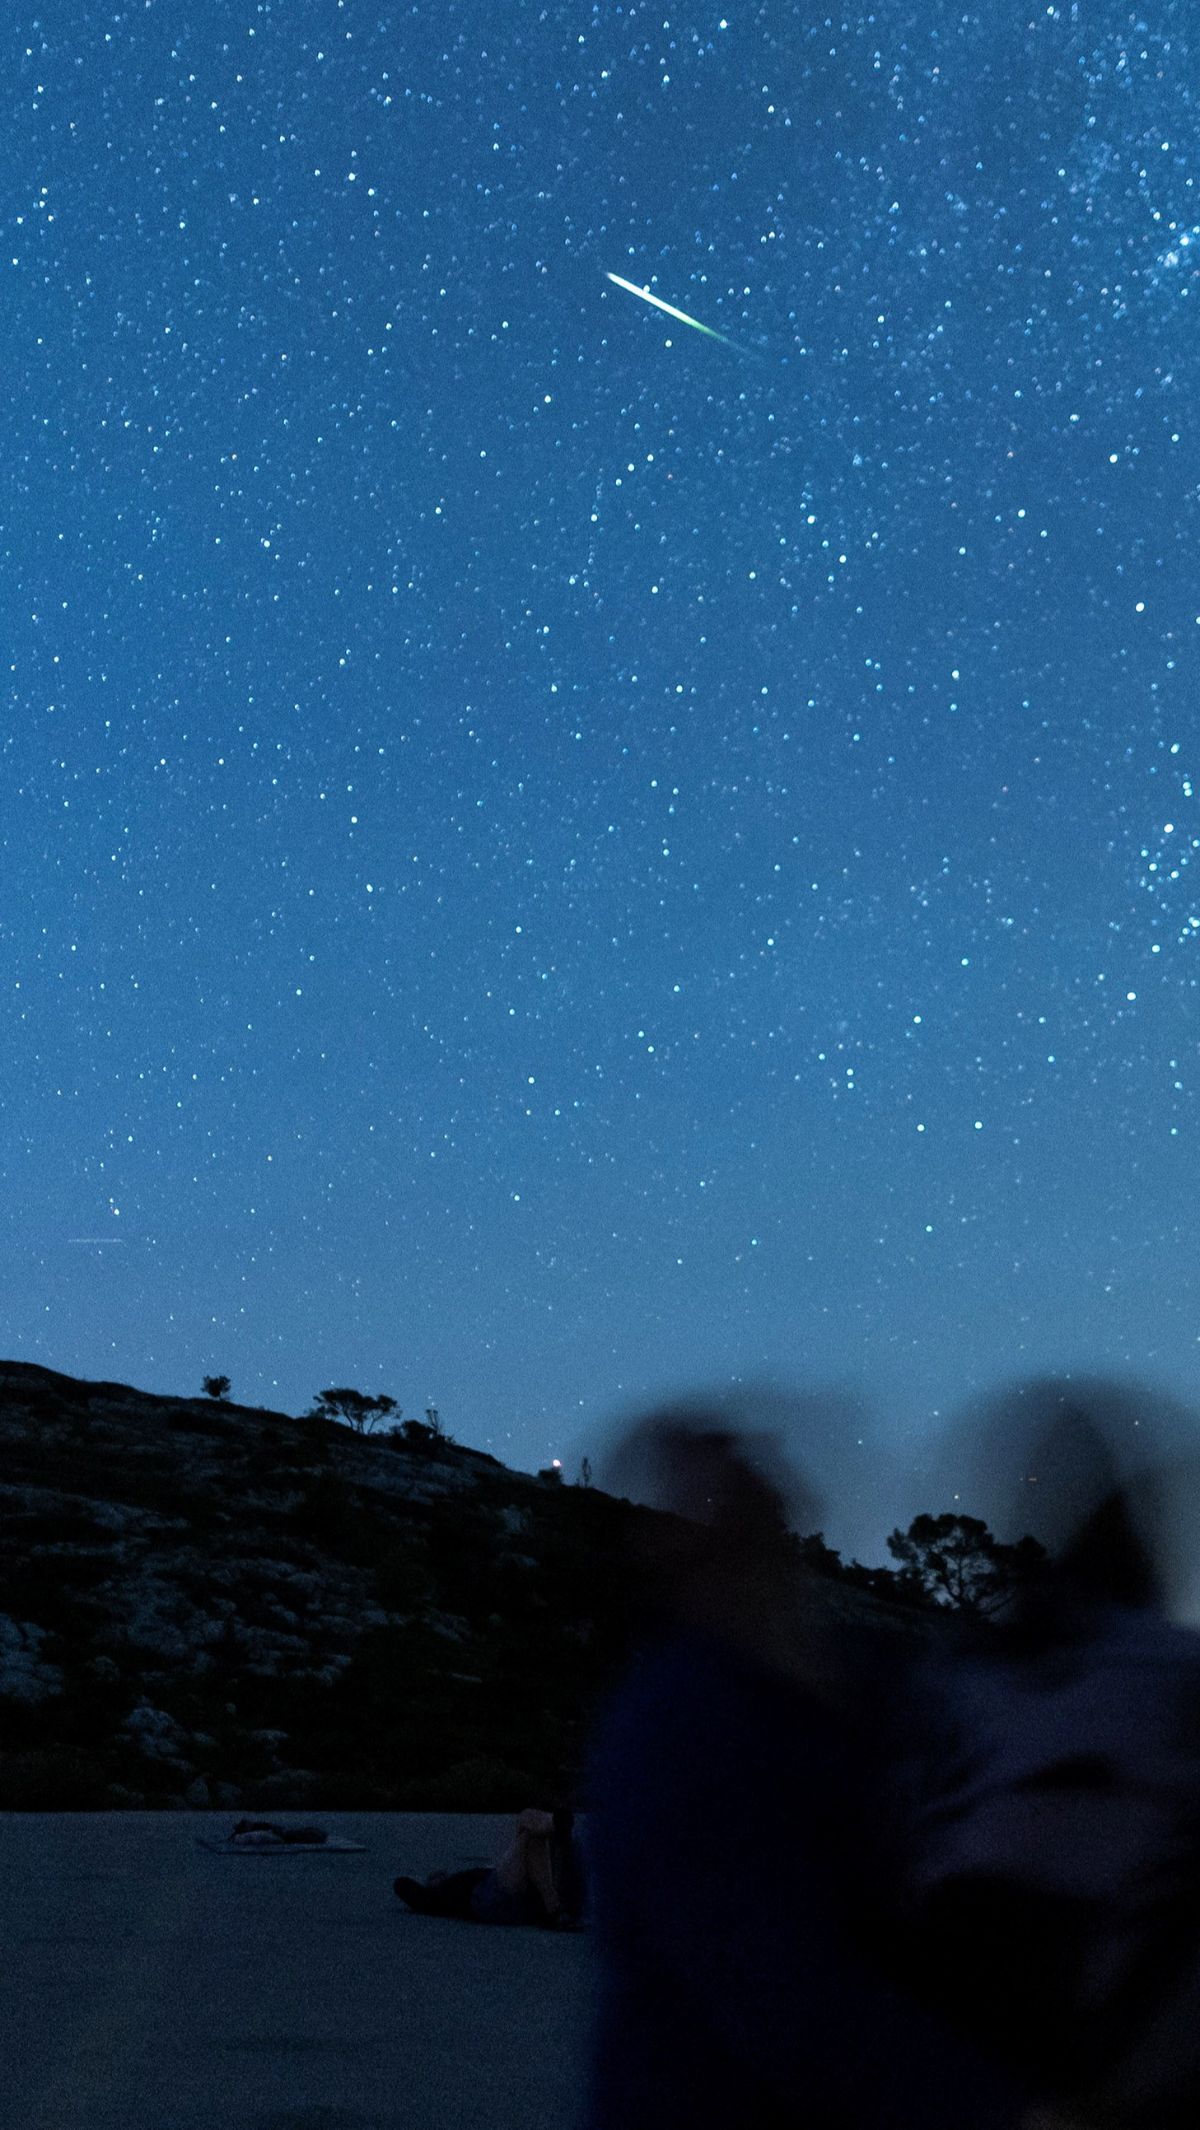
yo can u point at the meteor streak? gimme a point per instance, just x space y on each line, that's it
671 311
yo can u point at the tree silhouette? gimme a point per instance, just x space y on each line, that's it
353 1408
819 1558
418 1436
956 1561
585 1472
216 1386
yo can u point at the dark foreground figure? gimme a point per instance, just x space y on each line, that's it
537 1881
749 1969
1054 1859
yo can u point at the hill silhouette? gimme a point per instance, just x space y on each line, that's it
207 1603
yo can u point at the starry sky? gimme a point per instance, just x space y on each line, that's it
547 858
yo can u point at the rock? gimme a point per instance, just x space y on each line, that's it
24 1673
291 1789
156 1734
271 1739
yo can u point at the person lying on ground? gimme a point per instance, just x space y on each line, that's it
538 1880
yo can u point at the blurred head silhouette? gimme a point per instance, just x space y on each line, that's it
1096 1471
719 1557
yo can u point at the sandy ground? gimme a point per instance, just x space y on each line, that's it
150 1985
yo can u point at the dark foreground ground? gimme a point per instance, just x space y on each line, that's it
150 1985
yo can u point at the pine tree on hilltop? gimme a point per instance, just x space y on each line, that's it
352 1408
956 1562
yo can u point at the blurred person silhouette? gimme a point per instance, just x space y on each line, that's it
749 1971
1054 1844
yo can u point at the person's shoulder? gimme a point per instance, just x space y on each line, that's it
668 1671
674 1687
1140 1639
689 1707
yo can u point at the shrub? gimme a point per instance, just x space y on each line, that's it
402 1579
326 1513
52 1779
480 1784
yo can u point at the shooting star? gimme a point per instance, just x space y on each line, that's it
709 331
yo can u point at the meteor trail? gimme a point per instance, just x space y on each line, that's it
671 311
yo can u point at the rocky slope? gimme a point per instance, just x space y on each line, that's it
201 1602
205 1603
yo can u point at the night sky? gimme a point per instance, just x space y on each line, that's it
547 858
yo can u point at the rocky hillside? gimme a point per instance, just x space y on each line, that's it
201 1602
205 1603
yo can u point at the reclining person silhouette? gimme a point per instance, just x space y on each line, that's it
538 1880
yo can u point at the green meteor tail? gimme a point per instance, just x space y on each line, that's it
709 331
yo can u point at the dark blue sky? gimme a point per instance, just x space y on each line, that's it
545 858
